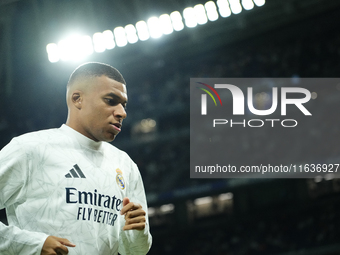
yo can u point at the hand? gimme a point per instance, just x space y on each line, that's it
134 215
56 246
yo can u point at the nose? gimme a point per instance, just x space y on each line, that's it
120 112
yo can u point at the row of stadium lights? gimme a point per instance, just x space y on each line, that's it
77 46
202 201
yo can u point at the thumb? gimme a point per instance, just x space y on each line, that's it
125 201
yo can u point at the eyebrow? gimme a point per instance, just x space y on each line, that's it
113 95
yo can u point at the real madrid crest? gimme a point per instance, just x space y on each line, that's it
119 179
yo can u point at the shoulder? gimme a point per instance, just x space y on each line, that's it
118 155
26 144
110 148
39 137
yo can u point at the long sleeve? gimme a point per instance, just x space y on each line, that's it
133 241
14 173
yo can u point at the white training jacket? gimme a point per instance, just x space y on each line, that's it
61 183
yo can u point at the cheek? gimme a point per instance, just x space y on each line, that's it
101 118
97 114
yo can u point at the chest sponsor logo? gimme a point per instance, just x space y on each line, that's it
93 206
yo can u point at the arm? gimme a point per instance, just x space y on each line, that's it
14 174
135 237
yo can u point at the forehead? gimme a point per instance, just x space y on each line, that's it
104 85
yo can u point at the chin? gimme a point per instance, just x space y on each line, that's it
106 136
109 138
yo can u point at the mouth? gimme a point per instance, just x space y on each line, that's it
117 126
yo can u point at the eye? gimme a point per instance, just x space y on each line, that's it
114 102
111 101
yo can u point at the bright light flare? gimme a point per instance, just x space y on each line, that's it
177 22
190 17
131 35
120 36
235 6
53 52
86 46
98 42
223 8
165 24
108 39
63 50
211 9
142 30
75 47
154 27
247 4
259 3
201 16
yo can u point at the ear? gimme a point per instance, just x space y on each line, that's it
77 98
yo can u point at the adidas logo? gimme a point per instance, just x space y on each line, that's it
75 172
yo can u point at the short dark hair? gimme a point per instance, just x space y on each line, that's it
96 69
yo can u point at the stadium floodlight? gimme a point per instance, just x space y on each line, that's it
165 23
211 9
190 17
142 30
226 196
167 208
108 39
131 35
329 177
223 8
98 42
86 45
203 200
154 27
53 52
63 50
151 122
75 47
318 178
120 36
177 22
235 6
248 4
314 95
200 14
151 211
259 3
148 123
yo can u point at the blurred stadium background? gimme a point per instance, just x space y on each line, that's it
41 42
